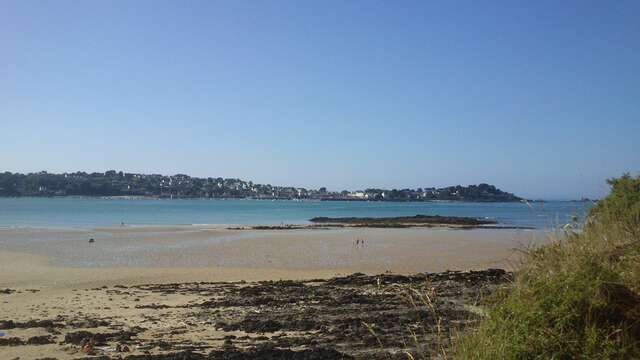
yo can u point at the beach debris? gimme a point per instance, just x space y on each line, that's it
35 340
122 348
286 319
87 345
82 337
10 324
40 340
11 341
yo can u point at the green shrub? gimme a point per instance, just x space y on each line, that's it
622 206
576 298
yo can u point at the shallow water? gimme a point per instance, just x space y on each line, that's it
92 212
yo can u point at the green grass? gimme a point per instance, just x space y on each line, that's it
576 298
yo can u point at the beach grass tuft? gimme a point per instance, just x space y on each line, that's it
575 298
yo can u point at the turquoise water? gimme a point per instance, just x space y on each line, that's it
91 212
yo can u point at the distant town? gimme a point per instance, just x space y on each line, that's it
120 184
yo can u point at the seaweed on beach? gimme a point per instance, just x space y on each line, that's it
357 316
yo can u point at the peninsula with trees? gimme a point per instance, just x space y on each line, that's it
120 184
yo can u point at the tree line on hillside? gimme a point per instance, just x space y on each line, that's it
117 183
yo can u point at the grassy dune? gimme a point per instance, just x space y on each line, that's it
577 298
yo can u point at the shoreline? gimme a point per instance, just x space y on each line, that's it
158 197
303 225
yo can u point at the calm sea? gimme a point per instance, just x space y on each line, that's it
91 212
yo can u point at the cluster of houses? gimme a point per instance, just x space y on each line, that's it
113 183
481 192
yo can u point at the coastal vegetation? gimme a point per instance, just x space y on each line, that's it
576 298
117 183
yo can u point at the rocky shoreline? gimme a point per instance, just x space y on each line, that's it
404 221
428 221
352 317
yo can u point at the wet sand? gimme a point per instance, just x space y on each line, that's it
57 273
407 250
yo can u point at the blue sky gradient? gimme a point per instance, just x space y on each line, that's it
539 98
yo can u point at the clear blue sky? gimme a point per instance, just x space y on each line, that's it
541 98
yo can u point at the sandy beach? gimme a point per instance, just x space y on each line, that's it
62 257
58 274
